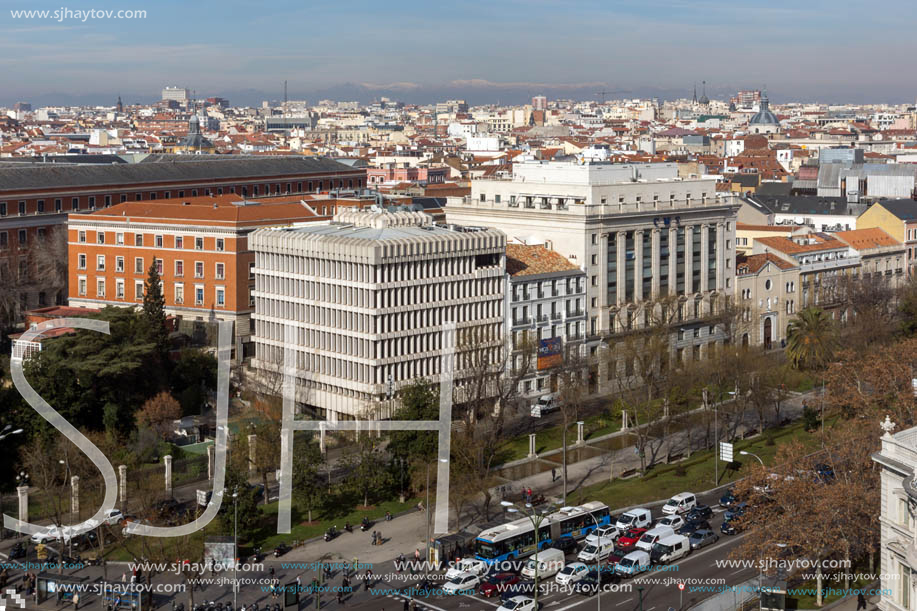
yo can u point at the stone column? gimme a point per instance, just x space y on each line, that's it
321 441
167 460
623 420
252 445
22 492
580 440
657 253
603 282
75 497
211 460
638 265
673 259
532 453
704 261
689 260
720 257
620 243
122 478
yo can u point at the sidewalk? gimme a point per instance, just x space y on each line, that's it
850 603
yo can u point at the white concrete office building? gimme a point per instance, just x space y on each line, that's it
367 297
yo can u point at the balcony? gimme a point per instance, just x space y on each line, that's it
574 313
543 318
556 315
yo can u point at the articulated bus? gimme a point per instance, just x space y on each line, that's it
515 540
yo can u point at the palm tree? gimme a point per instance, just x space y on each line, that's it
810 339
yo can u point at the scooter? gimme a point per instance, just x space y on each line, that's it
365 525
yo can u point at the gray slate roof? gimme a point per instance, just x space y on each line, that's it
904 209
62 176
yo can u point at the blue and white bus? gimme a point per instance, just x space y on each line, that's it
515 540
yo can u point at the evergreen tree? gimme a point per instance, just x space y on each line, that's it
154 309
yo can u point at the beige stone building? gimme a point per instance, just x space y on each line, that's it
766 293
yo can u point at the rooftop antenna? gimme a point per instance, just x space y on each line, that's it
602 93
284 98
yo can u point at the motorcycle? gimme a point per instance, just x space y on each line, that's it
331 533
348 527
18 551
257 556
365 525
281 549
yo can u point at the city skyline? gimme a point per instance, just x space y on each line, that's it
487 54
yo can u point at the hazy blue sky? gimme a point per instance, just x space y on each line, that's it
497 50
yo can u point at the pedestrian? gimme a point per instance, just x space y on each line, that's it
340 597
76 601
861 601
417 554
271 572
406 606
553 474
124 577
400 564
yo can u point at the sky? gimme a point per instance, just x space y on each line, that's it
497 51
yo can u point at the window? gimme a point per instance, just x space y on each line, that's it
82 236
23 238
100 263
179 268
21 208
157 240
119 265
251 271
251 296
138 239
198 269
220 244
220 271
768 284
159 267
198 295
2 208
92 202
119 289
100 237
82 285
138 290
138 265
107 201
119 238
179 293
179 242
75 203
123 197
40 206
100 287
198 243
80 258
221 297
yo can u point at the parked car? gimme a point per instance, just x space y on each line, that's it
691 527
603 532
729 528
700 512
651 537
524 587
628 540
565 544
728 499
497 584
113 516
735 511
545 405
518 603
673 521
635 518
703 538
48 535
571 573
465 582
670 549
281 549
680 503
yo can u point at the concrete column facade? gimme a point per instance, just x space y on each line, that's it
22 492
689 260
638 265
532 453
167 460
603 282
720 257
580 439
621 262
673 259
704 261
657 253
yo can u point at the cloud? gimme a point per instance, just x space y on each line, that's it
399 86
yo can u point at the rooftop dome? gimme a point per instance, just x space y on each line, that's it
764 116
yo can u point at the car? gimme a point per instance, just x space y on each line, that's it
603 532
467 565
692 527
673 521
113 516
566 544
596 552
634 518
703 538
518 603
728 499
588 585
497 584
824 473
464 582
615 557
729 528
680 503
523 587
700 512
571 573
735 511
545 405
628 540
48 535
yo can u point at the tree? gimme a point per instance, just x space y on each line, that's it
245 501
308 489
811 339
419 401
573 387
367 472
159 413
154 310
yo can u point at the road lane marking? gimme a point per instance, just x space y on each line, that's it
624 602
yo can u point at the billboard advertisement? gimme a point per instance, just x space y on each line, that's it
550 353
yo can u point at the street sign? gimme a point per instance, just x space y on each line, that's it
203 497
726 451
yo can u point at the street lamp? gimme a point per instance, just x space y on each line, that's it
598 592
235 546
640 590
72 520
536 519
744 453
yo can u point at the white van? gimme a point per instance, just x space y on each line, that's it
633 564
549 562
652 536
545 405
670 549
596 552
635 518
680 503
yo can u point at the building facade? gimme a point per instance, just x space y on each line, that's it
897 218
766 292
646 239
365 304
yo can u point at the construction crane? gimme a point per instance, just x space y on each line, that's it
603 93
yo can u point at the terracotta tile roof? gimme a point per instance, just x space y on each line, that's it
752 264
790 247
872 237
525 260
